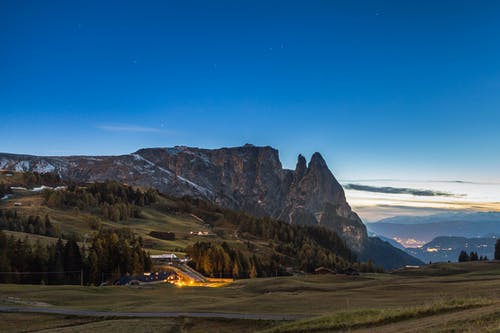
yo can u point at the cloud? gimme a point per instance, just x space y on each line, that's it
131 128
398 190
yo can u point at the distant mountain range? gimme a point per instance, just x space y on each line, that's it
446 248
246 178
414 231
444 217
441 237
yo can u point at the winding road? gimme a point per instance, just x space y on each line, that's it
92 313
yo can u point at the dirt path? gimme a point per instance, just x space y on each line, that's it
91 313
426 324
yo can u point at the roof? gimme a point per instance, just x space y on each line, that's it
324 269
164 256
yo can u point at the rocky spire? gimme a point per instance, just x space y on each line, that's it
300 169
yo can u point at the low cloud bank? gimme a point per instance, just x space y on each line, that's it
397 190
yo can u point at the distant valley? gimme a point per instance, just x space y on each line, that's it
448 248
441 237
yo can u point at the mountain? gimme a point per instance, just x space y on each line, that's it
418 230
388 240
444 217
446 248
246 178
380 251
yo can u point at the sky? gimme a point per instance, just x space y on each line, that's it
383 89
374 200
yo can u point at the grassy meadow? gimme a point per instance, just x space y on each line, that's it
439 297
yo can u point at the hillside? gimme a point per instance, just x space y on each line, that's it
172 224
251 246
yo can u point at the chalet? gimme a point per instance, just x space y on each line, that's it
199 233
324 270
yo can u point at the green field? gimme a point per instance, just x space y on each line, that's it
72 221
439 297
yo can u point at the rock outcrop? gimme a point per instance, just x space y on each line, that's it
247 178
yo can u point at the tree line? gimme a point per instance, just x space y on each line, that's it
113 200
30 179
19 256
11 220
4 190
111 254
302 247
220 260
472 256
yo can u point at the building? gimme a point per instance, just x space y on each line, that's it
324 270
166 258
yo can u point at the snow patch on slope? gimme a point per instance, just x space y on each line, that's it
139 157
44 167
40 188
22 166
200 189
3 163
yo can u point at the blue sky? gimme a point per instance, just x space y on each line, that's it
383 89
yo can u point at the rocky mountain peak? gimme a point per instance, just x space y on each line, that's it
317 162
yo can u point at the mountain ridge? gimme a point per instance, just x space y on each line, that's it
249 178
246 178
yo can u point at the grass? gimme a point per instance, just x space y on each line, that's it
26 322
375 317
14 322
434 303
489 322
302 295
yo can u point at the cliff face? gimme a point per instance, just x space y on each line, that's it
315 197
248 178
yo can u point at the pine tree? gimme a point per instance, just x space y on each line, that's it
93 267
236 270
463 256
72 256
